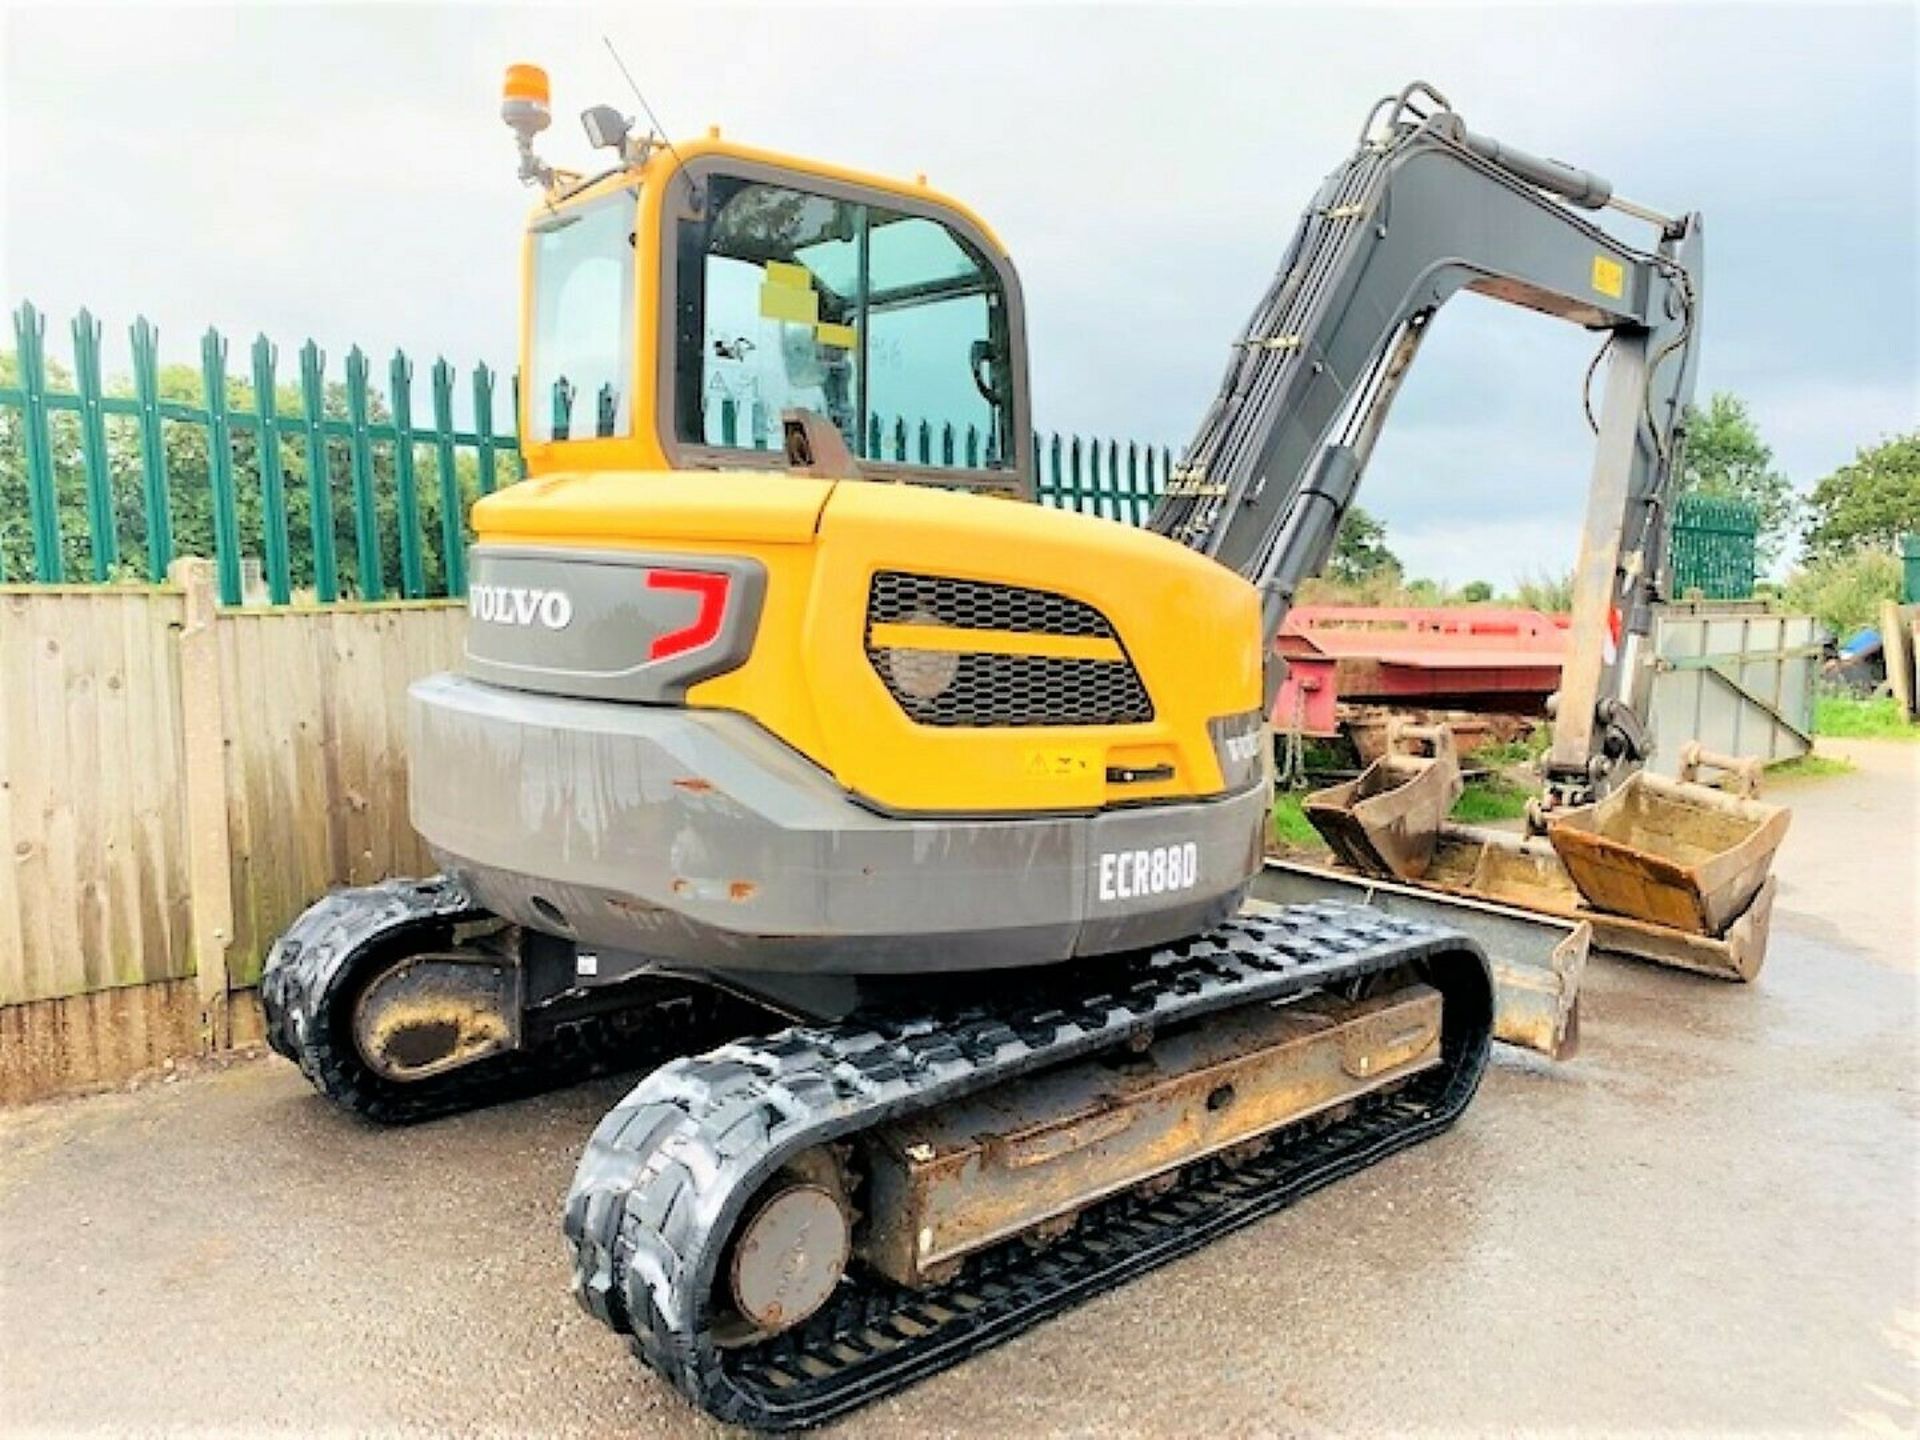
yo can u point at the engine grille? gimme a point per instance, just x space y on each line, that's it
974 605
990 689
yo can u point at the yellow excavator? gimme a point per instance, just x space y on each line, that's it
906 828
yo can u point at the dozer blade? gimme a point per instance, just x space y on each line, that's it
1537 959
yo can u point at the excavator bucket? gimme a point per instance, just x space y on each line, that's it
1670 853
1384 822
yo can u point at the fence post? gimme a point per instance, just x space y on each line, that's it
93 445
413 580
366 520
43 507
226 516
313 404
203 749
153 449
453 524
483 424
273 480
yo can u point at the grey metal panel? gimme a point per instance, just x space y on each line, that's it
1735 678
582 622
698 837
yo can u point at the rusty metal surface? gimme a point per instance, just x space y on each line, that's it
1736 955
1539 961
788 1256
1384 822
435 1013
1476 866
1670 853
1024 1159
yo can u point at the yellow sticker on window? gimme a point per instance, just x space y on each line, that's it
785 302
781 272
840 337
1609 276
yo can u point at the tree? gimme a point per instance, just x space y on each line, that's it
1726 457
1868 503
1844 592
1360 550
1476 592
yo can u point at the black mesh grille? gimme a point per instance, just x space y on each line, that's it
976 688
973 605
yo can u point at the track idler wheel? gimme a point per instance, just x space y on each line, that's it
787 1257
436 1012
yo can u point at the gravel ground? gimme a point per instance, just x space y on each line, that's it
1705 1221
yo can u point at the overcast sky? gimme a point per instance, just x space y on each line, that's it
340 172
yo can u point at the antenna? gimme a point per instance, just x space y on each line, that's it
633 85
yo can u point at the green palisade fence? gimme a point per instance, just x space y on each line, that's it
337 489
1715 547
104 482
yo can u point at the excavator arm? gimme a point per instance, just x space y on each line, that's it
1424 209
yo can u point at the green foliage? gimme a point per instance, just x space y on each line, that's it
1852 718
1503 754
1869 502
1360 552
1548 593
1476 592
1844 591
1490 798
1291 828
1726 457
1809 767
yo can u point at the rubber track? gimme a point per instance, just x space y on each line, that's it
669 1171
315 969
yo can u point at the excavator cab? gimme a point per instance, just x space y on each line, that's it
679 305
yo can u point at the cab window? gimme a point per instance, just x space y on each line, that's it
583 322
891 326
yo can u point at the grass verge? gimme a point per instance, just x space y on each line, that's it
1849 717
1809 767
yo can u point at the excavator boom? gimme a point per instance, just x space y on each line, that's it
1424 209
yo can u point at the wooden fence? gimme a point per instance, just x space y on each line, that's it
177 782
